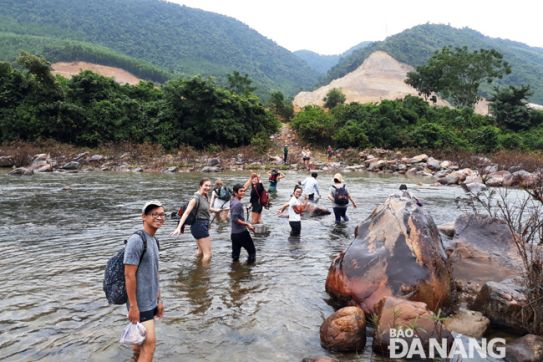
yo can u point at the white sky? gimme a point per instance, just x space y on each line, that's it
333 26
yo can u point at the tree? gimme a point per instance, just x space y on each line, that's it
333 98
509 107
280 107
457 74
240 84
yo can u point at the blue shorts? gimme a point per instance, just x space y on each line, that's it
148 315
200 229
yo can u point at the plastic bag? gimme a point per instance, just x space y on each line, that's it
134 334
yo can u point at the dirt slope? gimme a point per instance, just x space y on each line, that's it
72 68
379 77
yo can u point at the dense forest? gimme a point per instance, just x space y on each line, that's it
92 110
416 45
176 38
413 123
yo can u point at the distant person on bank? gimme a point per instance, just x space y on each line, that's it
285 154
340 198
329 153
200 228
240 236
142 279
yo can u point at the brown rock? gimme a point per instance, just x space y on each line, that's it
467 322
504 303
482 250
319 359
395 314
525 349
344 330
398 252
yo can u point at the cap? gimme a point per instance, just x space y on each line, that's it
338 177
151 203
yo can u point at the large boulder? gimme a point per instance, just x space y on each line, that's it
413 318
499 178
482 250
314 210
7 161
504 303
525 349
397 251
344 330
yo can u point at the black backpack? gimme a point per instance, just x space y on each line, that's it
341 196
223 193
114 282
191 218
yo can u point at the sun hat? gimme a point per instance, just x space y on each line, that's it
338 177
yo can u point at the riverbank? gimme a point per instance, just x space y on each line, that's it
505 168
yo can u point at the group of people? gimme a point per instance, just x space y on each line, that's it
141 256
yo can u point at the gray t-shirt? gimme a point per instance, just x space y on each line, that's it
147 288
236 213
202 203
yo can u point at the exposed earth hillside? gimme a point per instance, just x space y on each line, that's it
69 69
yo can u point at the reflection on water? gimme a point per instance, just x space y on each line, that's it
55 243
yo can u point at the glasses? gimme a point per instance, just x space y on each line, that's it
158 216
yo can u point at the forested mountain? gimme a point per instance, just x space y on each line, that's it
175 38
322 63
414 46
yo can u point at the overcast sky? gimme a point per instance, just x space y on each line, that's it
331 27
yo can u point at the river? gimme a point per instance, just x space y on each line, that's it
54 244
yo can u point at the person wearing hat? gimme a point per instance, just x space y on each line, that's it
340 197
141 277
274 177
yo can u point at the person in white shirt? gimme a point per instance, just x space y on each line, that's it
311 187
295 209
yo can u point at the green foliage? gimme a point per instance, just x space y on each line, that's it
416 45
314 125
177 38
261 142
509 108
333 98
485 139
457 74
280 107
89 109
240 84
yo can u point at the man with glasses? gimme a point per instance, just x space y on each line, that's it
141 276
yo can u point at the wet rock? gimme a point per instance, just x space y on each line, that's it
449 180
81 156
45 168
504 303
72 165
467 322
395 313
419 158
525 349
376 165
447 229
498 178
96 158
482 250
319 359
171 169
316 210
211 169
137 169
344 330
525 178
491 168
474 187
400 167
473 178
21 171
214 161
7 161
398 252
412 171
442 173
433 164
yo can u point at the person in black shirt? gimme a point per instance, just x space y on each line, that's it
257 189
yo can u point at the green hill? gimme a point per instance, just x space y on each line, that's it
322 63
176 38
414 46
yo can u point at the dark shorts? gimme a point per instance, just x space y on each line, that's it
200 229
306 158
295 228
148 315
256 207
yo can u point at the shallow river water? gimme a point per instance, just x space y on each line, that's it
54 245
